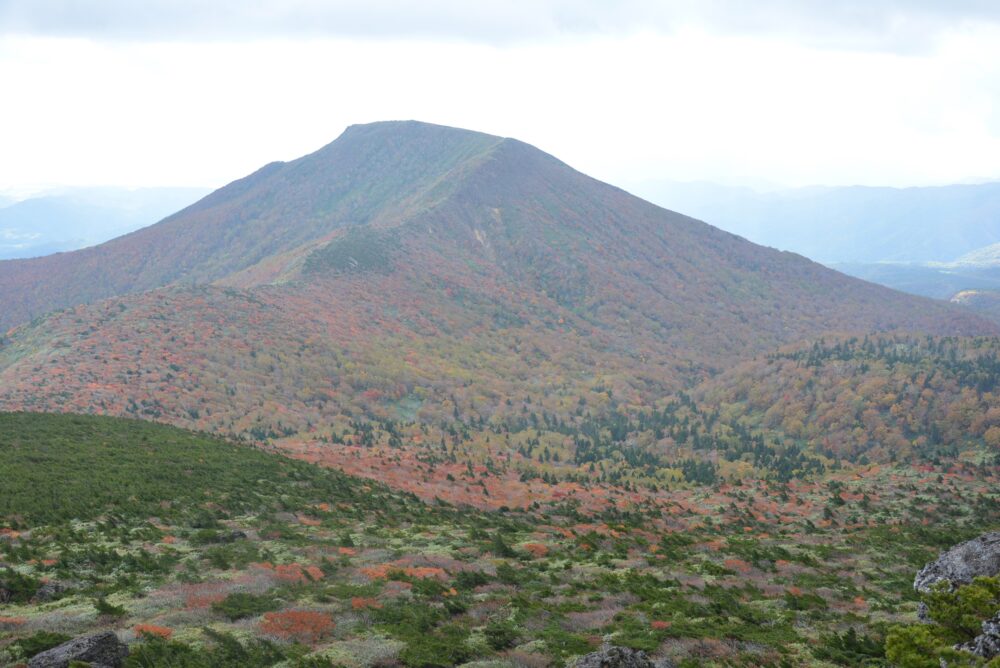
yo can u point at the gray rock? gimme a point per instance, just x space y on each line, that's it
49 591
615 657
100 650
962 563
987 644
959 566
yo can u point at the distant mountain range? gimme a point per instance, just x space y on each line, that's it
400 266
73 218
848 225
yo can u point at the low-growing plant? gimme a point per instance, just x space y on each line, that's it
239 605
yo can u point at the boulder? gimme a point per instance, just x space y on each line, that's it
100 650
49 591
986 644
962 563
615 657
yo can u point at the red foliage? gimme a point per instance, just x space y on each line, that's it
300 625
537 550
386 572
153 630
360 603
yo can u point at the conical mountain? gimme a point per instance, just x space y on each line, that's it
411 270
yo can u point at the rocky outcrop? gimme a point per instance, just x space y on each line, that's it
962 563
986 644
616 657
100 650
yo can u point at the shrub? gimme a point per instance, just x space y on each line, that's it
104 608
956 616
39 642
153 630
298 625
850 649
501 634
226 652
241 604
445 647
16 587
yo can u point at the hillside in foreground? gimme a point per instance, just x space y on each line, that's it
199 552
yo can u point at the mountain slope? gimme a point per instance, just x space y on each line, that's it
452 273
372 174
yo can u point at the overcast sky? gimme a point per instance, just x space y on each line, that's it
200 92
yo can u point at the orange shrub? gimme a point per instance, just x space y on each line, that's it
537 550
387 571
360 603
299 625
152 630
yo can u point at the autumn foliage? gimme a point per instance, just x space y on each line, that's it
298 625
153 630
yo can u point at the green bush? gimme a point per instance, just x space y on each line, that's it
501 634
16 587
241 604
226 652
444 647
851 649
39 642
956 617
104 608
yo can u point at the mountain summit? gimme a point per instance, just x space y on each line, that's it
399 263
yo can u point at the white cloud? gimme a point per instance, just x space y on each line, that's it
864 24
691 104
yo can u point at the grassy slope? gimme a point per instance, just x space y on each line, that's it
78 467
359 575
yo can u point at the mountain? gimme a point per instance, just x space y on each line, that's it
988 256
849 225
983 302
79 217
410 270
937 280
405 269
968 280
